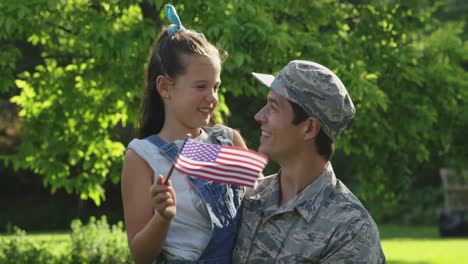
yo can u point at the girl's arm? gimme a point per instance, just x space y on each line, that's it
237 139
146 232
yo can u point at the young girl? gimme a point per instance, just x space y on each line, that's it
183 78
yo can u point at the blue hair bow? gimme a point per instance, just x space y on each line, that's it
171 14
176 25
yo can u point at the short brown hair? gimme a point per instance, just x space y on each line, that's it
323 142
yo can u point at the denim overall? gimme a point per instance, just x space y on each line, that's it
223 203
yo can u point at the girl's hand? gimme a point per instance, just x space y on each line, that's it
163 198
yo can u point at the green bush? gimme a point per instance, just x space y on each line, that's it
419 207
95 242
21 249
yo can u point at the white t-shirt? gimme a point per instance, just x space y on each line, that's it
191 228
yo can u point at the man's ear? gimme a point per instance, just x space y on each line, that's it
311 128
162 85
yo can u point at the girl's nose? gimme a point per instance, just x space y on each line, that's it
212 96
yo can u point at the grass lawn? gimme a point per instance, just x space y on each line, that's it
401 244
415 244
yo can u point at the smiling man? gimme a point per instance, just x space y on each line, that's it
304 214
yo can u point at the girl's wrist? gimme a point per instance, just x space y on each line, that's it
162 219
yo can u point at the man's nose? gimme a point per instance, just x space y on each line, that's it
260 116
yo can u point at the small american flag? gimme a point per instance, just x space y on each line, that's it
225 164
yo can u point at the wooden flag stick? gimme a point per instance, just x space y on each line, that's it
173 163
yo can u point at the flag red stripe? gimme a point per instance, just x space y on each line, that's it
216 177
255 154
223 164
238 164
190 164
227 164
235 160
251 158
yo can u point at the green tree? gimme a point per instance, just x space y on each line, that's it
405 70
87 83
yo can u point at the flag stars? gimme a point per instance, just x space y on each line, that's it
220 163
200 151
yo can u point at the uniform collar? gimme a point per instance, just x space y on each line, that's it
307 202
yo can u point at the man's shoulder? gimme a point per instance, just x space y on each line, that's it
351 224
345 217
342 195
341 207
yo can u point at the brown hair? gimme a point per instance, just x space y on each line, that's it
323 142
166 59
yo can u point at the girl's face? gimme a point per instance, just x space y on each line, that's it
192 97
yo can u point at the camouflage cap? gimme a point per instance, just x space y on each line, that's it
317 90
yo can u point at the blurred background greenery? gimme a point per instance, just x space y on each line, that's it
72 76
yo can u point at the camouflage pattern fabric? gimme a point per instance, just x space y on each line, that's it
326 223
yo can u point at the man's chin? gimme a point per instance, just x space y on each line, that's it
263 150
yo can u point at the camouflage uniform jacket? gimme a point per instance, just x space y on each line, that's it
325 223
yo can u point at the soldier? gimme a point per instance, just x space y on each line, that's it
304 214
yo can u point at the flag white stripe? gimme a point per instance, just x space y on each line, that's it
227 177
245 153
204 175
248 160
244 173
229 164
239 163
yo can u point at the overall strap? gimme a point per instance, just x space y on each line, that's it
219 135
169 150
223 202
